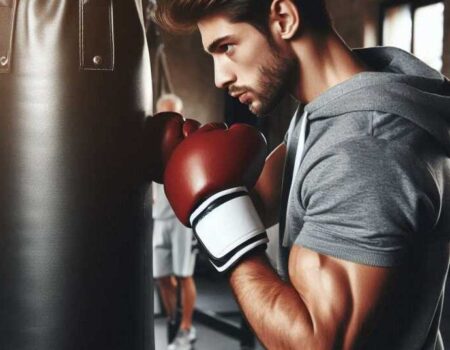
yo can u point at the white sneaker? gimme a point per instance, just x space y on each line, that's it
192 334
184 340
172 346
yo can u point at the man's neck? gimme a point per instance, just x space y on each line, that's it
324 61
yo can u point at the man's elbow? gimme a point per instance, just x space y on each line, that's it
306 335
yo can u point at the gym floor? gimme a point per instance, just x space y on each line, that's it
208 339
214 297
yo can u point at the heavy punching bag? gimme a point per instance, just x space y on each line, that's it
75 87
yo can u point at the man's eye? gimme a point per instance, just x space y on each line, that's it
227 48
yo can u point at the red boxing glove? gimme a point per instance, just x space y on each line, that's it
162 134
207 180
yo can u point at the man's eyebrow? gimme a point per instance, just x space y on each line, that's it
216 43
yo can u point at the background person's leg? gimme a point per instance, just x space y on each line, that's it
184 263
163 272
188 296
168 290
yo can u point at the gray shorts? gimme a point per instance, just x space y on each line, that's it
173 252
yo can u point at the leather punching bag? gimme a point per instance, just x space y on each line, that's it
75 86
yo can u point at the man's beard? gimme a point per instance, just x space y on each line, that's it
275 81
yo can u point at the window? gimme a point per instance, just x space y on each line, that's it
398 27
415 26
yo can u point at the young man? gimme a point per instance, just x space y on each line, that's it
173 256
366 183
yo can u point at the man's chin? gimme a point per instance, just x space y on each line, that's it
257 112
261 110
253 109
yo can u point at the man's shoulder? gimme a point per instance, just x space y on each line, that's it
365 153
380 131
366 164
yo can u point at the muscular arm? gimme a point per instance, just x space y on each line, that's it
366 208
327 304
267 191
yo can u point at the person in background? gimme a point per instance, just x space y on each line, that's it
173 256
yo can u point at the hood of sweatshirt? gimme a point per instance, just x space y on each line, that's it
400 84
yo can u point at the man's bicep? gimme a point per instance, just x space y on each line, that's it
342 297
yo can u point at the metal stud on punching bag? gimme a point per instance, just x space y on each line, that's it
75 87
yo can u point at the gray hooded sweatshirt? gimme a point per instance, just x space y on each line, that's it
373 187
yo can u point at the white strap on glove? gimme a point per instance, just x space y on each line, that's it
228 226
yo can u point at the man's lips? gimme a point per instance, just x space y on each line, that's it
243 96
236 94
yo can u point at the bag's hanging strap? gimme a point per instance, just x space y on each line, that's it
96 35
7 15
162 73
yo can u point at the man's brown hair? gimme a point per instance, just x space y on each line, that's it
183 15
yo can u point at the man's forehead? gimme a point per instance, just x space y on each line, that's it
218 26
214 26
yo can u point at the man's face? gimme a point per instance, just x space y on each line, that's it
166 106
246 63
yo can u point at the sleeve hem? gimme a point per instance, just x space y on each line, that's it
312 238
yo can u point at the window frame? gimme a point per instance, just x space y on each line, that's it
414 5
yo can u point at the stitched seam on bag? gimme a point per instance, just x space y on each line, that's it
12 20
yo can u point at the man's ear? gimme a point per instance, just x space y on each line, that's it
285 18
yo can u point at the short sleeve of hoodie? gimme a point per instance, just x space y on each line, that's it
367 201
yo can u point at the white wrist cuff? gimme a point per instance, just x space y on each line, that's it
228 226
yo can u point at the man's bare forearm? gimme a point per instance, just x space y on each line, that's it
273 308
266 194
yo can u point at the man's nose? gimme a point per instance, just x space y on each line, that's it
223 76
